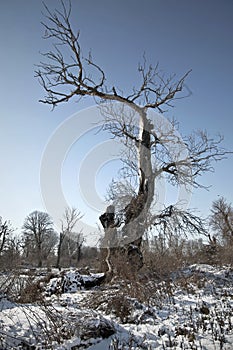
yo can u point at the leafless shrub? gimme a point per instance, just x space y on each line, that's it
31 292
45 325
121 307
129 344
12 284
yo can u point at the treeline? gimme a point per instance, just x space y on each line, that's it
39 245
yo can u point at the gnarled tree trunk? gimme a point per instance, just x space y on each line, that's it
128 249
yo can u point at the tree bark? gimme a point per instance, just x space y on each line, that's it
136 211
61 238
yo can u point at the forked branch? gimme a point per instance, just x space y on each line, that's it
66 72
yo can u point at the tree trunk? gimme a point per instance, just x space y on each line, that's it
136 211
3 236
39 253
39 259
78 255
59 251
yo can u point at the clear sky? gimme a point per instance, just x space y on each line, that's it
179 34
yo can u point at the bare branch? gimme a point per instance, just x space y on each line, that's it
191 158
172 221
66 73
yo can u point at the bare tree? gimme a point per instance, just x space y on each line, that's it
72 248
4 232
10 258
221 221
67 73
69 241
40 238
5 235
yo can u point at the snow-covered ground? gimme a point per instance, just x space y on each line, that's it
190 310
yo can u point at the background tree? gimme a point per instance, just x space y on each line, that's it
5 231
9 246
11 255
72 248
221 221
67 73
39 236
70 243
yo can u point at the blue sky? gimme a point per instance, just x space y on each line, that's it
180 35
